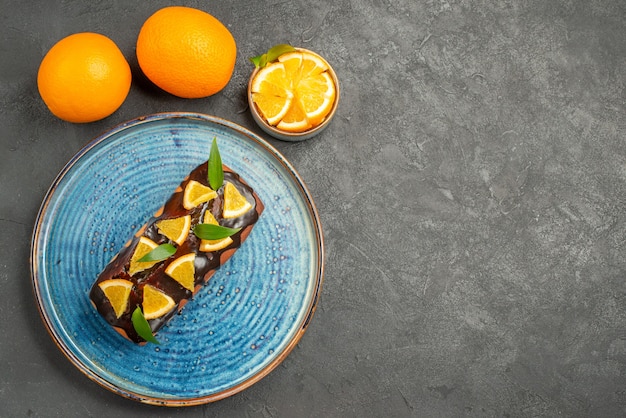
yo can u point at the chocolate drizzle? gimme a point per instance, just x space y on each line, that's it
206 263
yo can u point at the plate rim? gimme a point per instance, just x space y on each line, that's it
308 312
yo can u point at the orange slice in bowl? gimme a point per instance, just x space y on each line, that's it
272 108
292 61
312 65
272 79
316 94
295 120
272 92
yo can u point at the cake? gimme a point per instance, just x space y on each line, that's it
177 251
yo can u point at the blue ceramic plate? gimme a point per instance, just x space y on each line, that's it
241 325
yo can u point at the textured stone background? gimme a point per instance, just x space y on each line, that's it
472 191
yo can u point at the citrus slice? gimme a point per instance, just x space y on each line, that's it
144 246
312 65
155 303
272 108
175 229
271 90
197 193
316 94
235 204
295 119
118 292
272 79
292 61
208 245
183 270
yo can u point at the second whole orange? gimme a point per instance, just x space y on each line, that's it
186 52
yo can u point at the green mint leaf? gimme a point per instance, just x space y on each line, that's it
159 253
277 50
140 323
256 60
211 231
272 54
215 170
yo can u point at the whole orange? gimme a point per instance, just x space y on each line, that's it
84 77
186 52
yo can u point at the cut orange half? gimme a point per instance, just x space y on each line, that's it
155 303
208 245
197 193
183 271
118 292
144 246
176 229
235 204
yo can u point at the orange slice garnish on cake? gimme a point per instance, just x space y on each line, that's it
183 270
155 303
208 245
235 204
118 292
196 194
144 246
176 229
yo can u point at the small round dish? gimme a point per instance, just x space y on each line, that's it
294 136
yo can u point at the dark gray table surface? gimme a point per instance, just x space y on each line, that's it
472 189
